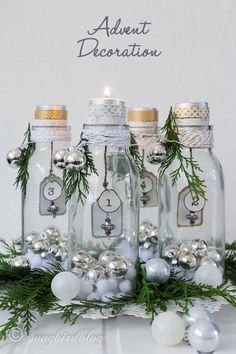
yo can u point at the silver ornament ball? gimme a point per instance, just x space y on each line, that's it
79 271
198 247
61 255
118 267
142 236
59 158
52 234
13 157
157 270
204 336
146 226
95 273
184 246
187 261
52 250
40 246
30 238
75 160
156 154
21 262
170 253
81 258
107 256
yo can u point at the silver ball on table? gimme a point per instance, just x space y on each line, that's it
21 262
187 261
107 256
198 247
59 158
13 157
75 160
40 246
118 267
95 273
204 336
52 234
156 154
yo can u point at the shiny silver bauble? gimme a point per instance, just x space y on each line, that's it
59 158
81 258
184 246
156 154
30 238
40 246
118 267
79 271
198 247
95 273
61 255
75 160
204 336
170 253
146 227
142 236
52 234
107 256
187 261
21 262
52 250
13 157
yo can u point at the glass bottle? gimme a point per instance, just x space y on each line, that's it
143 124
104 229
44 211
192 230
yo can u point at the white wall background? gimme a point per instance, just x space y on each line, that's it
39 64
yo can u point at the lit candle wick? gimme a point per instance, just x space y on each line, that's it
107 92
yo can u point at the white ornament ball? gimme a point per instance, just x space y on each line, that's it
108 296
103 286
145 253
35 260
86 288
168 329
157 269
209 275
204 336
195 314
93 296
112 284
65 286
125 286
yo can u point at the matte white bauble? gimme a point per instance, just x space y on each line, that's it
168 329
65 286
209 275
204 336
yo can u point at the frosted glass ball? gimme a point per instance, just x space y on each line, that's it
157 270
145 253
86 287
209 275
65 286
36 260
204 336
168 329
195 314
103 286
93 296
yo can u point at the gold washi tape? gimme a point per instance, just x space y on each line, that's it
51 114
143 115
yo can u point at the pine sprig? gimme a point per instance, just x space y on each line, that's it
135 153
23 174
10 250
187 166
230 262
76 181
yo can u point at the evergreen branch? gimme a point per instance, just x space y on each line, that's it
26 153
137 156
76 181
187 166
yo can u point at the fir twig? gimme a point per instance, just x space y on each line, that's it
187 166
23 174
135 153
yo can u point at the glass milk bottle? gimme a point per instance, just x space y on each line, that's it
104 228
143 124
44 211
192 230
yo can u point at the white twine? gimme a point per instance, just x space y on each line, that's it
50 134
118 136
190 137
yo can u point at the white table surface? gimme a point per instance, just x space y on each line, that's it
122 335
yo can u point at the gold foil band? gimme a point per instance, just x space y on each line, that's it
143 115
191 112
51 114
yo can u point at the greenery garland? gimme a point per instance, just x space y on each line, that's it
25 293
188 166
